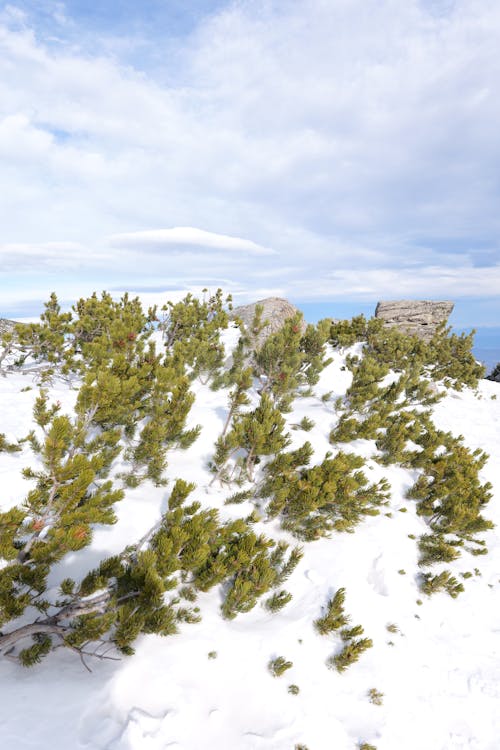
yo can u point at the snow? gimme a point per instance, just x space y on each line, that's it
439 673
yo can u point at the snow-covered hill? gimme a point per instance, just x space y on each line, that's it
435 660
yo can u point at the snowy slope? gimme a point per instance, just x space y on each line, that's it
439 673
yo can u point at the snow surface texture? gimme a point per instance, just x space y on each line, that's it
439 673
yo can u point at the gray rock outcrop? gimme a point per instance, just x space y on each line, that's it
6 325
275 311
416 317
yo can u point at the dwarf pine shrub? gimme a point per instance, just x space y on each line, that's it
277 601
279 666
191 330
331 496
334 617
290 360
6 447
255 434
445 581
350 654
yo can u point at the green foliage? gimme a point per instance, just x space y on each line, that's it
256 433
451 494
349 654
290 359
279 666
7 447
445 581
277 601
347 634
34 654
293 689
435 549
331 496
239 497
450 357
46 340
376 697
126 594
164 415
334 617
366 386
305 424
191 329
69 497
348 332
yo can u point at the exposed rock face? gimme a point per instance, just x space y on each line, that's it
416 317
276 311
494 374
6 325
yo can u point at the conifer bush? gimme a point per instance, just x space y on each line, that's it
277 601
290 360
6 447
334 617
331 496
350 654
345 333
191 330
445 581
279 666
254 434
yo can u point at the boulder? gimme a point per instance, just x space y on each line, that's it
6 325
416 317
494 374
275 311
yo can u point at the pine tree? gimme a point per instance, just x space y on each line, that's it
334 617
290 359
256 433
164 412
57 516
191 330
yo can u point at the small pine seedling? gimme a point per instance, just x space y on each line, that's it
293 689
212 654
277 601
306 424
349 654
376 697
278 666
334 617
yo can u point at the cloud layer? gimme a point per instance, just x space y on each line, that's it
358 140
179 237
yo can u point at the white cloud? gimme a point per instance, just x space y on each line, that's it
357 139
16 256
164 239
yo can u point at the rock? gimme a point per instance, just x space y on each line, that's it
6 325
416 317
276 311
494 374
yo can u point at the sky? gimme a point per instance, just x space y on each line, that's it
335 152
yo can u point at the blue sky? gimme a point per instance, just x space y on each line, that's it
330 151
